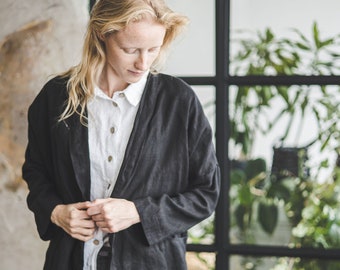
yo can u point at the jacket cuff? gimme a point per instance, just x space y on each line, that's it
148 213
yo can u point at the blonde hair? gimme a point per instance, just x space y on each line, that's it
108 16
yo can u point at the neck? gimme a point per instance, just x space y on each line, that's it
110 84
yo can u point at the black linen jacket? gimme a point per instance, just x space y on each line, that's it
169 171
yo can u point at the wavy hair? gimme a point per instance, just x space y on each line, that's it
108 16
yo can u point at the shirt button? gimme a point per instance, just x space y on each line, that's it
96 242
121 95
109 158
114 104
112 130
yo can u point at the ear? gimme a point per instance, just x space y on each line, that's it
100 36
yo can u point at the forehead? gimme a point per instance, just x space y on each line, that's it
142 32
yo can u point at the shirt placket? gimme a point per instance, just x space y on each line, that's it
114 123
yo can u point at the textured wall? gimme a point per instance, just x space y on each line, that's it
38 38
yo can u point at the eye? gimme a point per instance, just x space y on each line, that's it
130 50
154 50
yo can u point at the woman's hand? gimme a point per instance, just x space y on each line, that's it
74 220
113 215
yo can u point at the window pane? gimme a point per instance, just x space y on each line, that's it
271 37
284 148
284 263
193 54
207 97
200 261
203 233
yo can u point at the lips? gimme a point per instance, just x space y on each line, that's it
137 73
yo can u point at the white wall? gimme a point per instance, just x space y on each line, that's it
281 15
194 53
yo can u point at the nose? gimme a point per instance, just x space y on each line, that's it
142 62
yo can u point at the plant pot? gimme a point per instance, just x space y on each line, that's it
289 162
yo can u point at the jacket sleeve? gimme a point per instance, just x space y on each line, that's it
37 168
168 215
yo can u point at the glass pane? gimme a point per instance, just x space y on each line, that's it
207 97
284 263
271 37
193 54
252 263
200 260
284 151
202 233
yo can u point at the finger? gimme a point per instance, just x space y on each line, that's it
94 210
97 218
102 224
90 224
75 214
76 224
99 205
100 201
82 205
106 229
83 215
82 231
81 237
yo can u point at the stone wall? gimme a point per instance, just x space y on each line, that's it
38 39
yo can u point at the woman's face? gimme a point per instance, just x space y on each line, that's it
131 51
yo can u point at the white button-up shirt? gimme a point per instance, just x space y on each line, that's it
110 122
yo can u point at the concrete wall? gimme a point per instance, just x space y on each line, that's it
38 38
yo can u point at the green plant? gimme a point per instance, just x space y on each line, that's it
263 53
318 225
248 189
256 199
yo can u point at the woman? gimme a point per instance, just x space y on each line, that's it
120 161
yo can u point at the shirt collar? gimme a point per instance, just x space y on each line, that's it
133 92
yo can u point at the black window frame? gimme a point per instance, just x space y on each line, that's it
222 80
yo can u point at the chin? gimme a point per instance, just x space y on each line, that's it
134 79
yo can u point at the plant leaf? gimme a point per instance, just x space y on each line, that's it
268 216
254 167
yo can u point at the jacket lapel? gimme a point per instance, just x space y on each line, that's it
138 135
79 152
79 148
